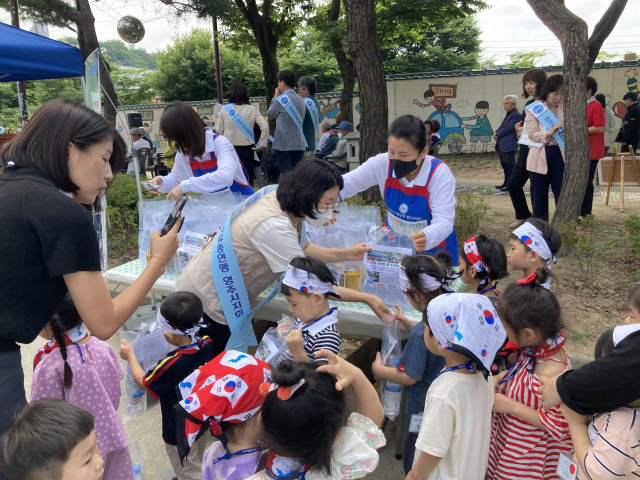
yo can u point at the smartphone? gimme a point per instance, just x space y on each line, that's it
150 186
171 221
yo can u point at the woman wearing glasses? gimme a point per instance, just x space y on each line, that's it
546 163
418 189
266 235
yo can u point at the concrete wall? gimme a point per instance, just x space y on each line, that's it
455 95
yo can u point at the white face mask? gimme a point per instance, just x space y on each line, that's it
323 217
339 135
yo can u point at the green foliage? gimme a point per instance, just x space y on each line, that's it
128 55
631 233
587 248
186 69
472 212
134 86
608 57
580 337
526 59
449 44
122 213
569 235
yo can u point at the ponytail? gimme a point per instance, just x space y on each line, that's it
62 343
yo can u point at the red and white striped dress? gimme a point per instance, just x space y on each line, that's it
520 451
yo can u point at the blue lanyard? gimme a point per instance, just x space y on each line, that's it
468 366
489 289
193 345
275 476
228 454
304 327
513 369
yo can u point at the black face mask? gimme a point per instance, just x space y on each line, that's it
402 169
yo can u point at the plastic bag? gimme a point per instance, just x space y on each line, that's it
391 393
382 266
149 347
273 346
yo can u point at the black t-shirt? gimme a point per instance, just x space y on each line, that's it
162 382
43 235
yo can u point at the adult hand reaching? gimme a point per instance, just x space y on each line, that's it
175 194
419 240
165 247
356 253
155 181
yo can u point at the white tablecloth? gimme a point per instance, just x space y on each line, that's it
354 318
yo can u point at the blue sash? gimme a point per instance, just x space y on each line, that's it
291 109
313 110
547 119
229 282
240 122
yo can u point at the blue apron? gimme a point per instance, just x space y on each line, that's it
409 210
202 167
229 282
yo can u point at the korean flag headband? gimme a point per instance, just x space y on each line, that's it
533 238
307 282
427 282
166 327
475 259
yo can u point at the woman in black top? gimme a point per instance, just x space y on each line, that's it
59 163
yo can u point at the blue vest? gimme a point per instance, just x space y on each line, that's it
409 209
202 167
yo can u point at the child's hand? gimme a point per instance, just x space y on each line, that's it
376 366
126 351
346 373
403 322
295 344
501 403
571 416
549 392
496 381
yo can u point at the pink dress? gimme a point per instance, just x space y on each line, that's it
96 388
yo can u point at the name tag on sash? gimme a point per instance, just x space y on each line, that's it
229 282
291 109
547 119
313 111
240 122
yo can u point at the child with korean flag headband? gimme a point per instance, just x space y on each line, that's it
452 442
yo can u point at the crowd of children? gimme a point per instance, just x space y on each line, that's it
490 390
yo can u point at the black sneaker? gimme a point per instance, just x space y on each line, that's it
501 187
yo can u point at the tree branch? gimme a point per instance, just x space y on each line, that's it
65 10
281 22
604 28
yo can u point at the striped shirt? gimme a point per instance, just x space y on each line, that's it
520 451
320 333
615 453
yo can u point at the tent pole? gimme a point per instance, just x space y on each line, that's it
83 85
22 91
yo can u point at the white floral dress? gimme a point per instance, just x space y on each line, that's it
354 453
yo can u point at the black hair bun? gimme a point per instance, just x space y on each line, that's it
288 373
542 275
445 259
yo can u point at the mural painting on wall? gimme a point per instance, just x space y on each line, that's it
452 125
332 110
619 108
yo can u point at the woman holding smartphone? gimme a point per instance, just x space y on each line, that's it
56 167
205 162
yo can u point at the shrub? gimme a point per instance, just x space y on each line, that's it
472 212
587 248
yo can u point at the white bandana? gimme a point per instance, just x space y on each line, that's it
307 282
623 331
427 282
468 324
533 238
164 325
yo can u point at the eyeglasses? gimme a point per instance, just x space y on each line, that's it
332 206
557 94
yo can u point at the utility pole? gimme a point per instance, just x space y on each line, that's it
216 52
22 91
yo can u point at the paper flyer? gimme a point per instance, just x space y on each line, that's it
382 266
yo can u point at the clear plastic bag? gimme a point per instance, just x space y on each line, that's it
149 347
391 393
273 346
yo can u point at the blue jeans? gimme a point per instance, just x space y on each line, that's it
540 183
288 159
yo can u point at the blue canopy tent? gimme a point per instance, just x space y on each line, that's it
28 56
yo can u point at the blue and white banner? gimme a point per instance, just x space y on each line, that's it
229 282
291 109
240 122
313 111
548 120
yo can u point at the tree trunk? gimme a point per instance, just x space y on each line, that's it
347 70
362 45
604 28
572 32
88 42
